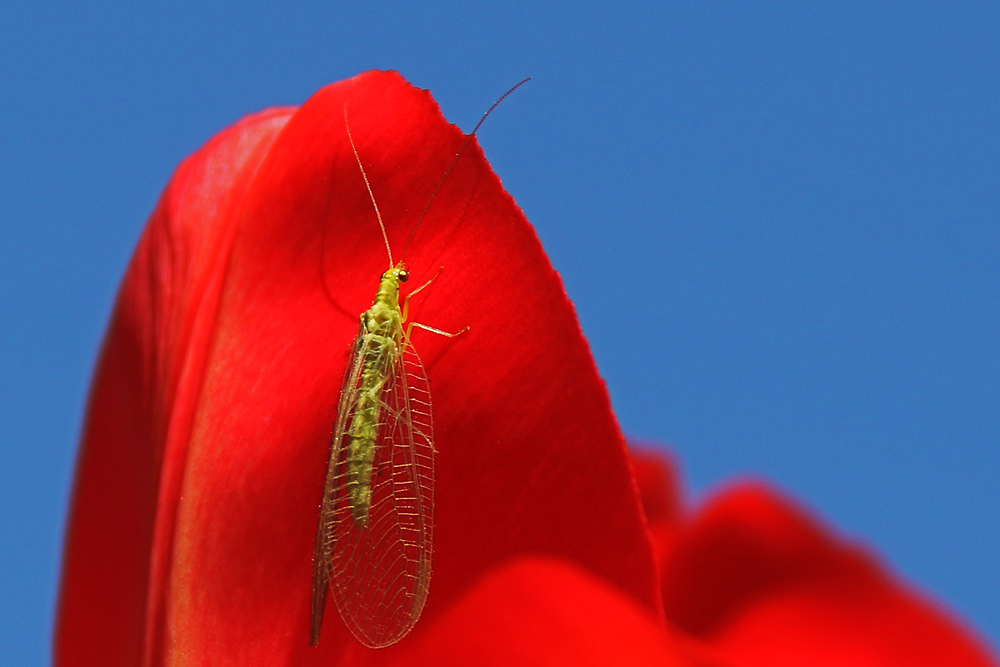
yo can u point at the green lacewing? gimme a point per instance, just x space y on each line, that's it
375 540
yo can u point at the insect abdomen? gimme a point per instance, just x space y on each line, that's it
379 346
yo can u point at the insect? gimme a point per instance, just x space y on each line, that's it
374 541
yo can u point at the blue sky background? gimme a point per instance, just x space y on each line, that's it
779 225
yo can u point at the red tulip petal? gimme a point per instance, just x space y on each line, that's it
240 381
139 392
659 489
762 582
549 612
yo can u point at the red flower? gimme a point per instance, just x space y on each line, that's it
204 452
762 584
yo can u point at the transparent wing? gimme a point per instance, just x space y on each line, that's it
379 575
324 532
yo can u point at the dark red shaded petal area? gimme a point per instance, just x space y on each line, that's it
549 612
762 583
141 400
659 489
208 434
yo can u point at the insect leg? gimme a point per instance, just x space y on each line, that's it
433 278
409 327
406 299
409 330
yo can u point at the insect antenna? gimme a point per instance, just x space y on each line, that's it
468 140
368 185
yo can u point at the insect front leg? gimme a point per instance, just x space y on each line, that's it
433 278
406 299
410 325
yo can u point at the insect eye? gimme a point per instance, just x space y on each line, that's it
403 276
